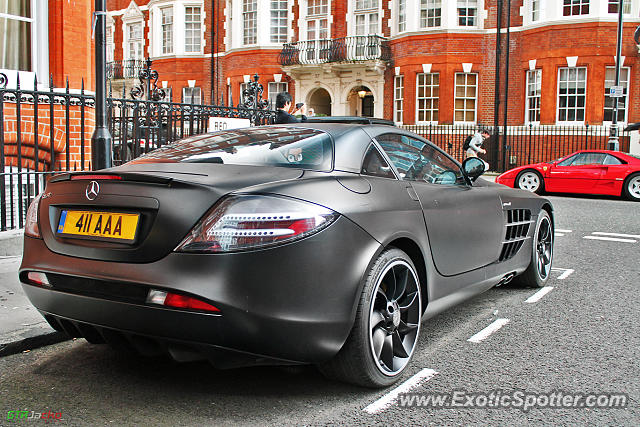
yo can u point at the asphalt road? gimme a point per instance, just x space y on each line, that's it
581 337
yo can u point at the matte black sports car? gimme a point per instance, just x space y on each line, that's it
317 243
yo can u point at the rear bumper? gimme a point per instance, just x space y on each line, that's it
293 303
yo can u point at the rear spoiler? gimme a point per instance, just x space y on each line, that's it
129 177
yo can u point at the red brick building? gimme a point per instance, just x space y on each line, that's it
416 62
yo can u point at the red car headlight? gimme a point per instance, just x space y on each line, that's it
31 228
252 221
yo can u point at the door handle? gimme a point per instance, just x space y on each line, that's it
412 193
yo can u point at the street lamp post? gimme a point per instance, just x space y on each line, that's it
613 135
101 139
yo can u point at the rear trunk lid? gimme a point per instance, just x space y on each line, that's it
167 200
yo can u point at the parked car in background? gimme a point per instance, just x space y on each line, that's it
603 172
311 243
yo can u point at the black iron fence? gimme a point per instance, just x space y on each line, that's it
343 49
524 144
43 132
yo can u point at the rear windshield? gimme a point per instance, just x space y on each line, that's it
262 146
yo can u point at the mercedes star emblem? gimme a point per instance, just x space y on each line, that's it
92 190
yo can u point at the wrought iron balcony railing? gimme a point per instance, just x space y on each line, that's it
127 69
344 49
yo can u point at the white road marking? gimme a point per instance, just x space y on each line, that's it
538 295
388 399
560 230
559 234
610 239
630 236
566 272
484 334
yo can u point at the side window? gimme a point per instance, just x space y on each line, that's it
375 165
611 160
589 159
417 161
568 161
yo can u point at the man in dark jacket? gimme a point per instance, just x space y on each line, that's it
283 105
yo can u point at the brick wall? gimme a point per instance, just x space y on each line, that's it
28 136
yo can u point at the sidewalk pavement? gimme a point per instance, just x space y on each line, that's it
22 328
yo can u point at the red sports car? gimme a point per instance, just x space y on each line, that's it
587 171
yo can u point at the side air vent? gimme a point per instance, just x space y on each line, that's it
517 228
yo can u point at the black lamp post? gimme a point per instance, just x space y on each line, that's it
101 139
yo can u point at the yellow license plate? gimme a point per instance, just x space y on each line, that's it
99 225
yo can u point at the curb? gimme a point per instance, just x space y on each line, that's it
32 343
11 242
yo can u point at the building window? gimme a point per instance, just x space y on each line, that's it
274 89
192 29
626 6
402 15
191 95
167 29
609 102
575 7
110 45
16 22
534 90
318 45
572 94
279 21
249 21
366 17
465 97
467 11
134 40
430 13
243 88
427 97
535 10
398 98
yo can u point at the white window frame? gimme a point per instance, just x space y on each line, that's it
243 86
429 100
572 122
167 29
534 11
247 17
402 16
465 98
625 85
533 82
626 7
196 92
468 5
398 98
576 3
273 89
366 9
276 34
127 40
432 5
198 30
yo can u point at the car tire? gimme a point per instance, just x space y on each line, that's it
386 328
539 270
631 188
530 180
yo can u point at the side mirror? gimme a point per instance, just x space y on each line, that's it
473 167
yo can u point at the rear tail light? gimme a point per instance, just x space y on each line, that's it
31 227
251 222
169 299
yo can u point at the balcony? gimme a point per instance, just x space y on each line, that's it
355 49
127 69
